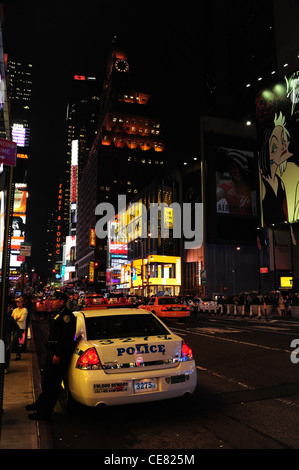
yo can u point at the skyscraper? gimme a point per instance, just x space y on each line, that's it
126 154
20 88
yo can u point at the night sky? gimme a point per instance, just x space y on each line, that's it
167 44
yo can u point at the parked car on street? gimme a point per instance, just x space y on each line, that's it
207 304
127 356
167 307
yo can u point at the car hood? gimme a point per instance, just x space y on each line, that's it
146 353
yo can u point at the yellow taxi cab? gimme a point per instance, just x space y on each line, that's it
167 307
127 357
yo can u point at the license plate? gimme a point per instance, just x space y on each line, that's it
145 385
176 308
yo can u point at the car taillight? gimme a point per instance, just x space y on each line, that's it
37 304
187 354
164 308
89 360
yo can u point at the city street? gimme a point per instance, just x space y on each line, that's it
247 395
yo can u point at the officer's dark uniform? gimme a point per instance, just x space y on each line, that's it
61 344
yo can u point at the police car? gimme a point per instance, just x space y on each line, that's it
127 356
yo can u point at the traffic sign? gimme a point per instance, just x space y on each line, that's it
8 152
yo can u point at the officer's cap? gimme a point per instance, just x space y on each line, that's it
60 295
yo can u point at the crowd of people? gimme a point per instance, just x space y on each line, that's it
280 303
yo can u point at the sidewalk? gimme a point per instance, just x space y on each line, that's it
22 385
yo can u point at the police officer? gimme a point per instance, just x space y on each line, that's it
60 346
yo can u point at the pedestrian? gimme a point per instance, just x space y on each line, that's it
81 302
60 346
11 327
70 303
48 307
20 315
75 301
281 306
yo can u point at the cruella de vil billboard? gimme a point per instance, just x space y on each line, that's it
277 115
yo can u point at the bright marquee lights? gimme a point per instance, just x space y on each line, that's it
19 134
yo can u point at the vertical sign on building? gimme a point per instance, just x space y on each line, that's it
58 240
91 271
74 180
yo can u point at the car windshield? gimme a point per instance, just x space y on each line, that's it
168 300
119 326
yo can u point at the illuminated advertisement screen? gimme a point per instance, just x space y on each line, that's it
18 224
70 241
286 282
235 188
230 191
277 113
20 134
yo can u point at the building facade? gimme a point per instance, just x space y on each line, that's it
126 154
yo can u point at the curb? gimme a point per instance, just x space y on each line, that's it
44 430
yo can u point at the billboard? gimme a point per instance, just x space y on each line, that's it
235 188
230 188
18 223
277 116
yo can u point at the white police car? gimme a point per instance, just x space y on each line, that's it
128 356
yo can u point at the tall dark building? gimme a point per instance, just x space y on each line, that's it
20 89
126 154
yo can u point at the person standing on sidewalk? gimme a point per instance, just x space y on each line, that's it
20 315
48 308
11 328
60 346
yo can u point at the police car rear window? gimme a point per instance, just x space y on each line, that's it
119 326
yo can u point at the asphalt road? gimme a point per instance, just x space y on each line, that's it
247 395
